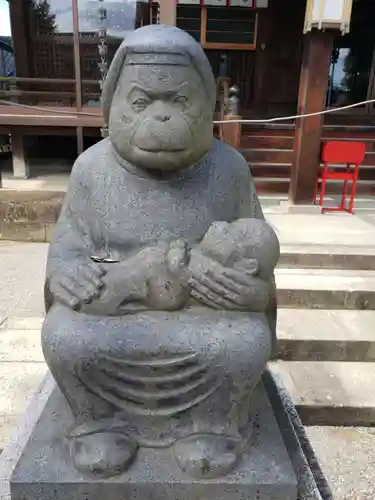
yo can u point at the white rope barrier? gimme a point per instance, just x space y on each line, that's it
75 114
297 117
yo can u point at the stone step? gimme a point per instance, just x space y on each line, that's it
330 393
328 257
325 289
326 335
23 323
347 457
20 346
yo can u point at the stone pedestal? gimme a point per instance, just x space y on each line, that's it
45 471
278 464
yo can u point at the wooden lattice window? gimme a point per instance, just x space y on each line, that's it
222 28
189 19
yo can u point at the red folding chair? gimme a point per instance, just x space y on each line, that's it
348 153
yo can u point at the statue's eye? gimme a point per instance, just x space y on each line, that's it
140 104
180 99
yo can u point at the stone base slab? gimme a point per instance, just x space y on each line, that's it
36 464
45 471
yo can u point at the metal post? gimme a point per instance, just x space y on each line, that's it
77 72
103 51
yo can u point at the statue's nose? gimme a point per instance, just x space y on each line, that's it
162 118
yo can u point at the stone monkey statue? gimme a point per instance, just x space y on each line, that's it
155 338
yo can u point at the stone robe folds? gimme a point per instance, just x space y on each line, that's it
163 374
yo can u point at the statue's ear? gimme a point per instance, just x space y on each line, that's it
111 81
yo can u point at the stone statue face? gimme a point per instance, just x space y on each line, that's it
160 117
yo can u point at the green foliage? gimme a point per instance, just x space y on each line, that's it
44 19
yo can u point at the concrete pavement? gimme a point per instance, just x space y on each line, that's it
21 279
22 368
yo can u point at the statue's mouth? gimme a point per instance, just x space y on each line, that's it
164 150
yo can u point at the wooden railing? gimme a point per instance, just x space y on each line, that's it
16 88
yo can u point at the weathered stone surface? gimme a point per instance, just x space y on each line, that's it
23 231
17 346
332 229
26 425
22 268
330 393
326 335
328 256
45 471
30 206
25 324
312 484
18 382
348 458
159 290
28 216
325 288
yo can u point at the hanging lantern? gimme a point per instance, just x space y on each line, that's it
323 14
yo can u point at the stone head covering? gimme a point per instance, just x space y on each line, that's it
163 40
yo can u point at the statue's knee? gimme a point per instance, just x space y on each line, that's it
61 340
250 342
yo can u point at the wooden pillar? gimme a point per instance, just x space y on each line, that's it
168 10
20 43
316 59
231 132
261 62
20 166
80 140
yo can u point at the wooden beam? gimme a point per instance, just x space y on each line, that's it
14 115
316 61
168 11
20 166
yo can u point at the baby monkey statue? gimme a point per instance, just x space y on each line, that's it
160 294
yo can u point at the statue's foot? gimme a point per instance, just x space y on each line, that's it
103 453
207 455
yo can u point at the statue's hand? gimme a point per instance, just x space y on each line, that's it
78 285
220 287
